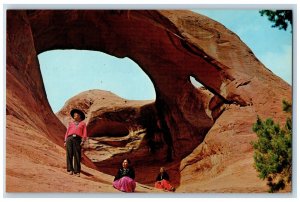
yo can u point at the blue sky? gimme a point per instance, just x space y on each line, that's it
69 72
273 47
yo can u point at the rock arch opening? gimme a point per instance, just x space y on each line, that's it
67 73
212 103
94 81
195 83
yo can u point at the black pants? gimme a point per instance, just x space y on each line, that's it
73 152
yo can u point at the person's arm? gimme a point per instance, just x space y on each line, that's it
66 135
118 176
84 132
158 177
166 176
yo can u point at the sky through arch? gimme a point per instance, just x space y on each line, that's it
67 73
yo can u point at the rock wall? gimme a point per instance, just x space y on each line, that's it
170 46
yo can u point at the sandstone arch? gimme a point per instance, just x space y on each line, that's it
170 46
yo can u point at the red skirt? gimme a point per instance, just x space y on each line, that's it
164 184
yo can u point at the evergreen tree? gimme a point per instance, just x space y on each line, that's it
273 151
281 18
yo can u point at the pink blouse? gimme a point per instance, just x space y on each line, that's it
79 129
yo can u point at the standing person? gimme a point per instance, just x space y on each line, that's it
162 181
124 180
74 138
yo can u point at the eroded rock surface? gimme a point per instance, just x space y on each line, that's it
211 145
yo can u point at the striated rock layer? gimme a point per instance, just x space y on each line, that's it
210 143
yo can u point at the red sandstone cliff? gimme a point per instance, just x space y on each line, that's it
170 46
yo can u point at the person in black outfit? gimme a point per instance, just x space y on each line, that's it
126 170
124 180
163 175
162 181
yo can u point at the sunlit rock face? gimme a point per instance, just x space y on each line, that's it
209 133
106 113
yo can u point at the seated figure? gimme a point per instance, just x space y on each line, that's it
162 181
124 180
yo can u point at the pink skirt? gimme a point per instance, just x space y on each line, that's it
125 184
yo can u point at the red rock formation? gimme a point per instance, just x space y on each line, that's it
170 46
143 142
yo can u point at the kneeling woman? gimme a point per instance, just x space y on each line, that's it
124 180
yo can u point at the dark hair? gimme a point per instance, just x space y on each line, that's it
129 162
81 114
